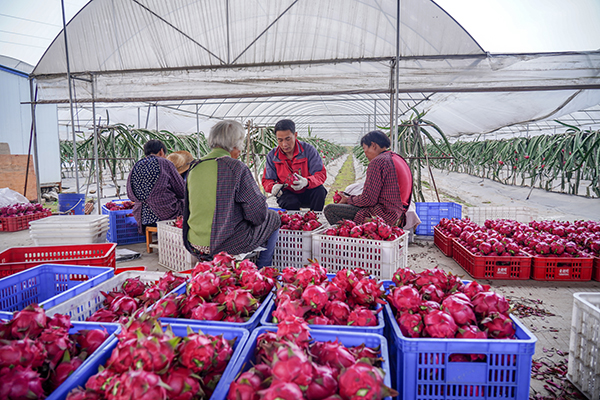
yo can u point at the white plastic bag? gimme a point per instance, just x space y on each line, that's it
8 197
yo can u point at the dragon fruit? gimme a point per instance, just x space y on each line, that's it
431 292
345 279
90 339
281 391
485 303
338 312
187 305
246 386
288 291
103 315
208 312
362 316
315 296
124 305
240 301
138 385
204 285
197 352
64 370
440 324
403 276
223 351
319 320
470 332
166 307
224 259
362 380
155 354
434 276
290 307
29 322
337 197
323 383
25 352
367 292
472 288
410 324
103 381
334 292
134 287
405 298
59 320
295 330
20 383
498 326
57 342
183 385
333 354
288 274
459 308
80 394
291 364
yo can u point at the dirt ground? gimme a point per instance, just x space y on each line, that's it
556 298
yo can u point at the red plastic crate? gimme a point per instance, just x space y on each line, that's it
443 242
13 224
562 269
16 259
489 267
596 273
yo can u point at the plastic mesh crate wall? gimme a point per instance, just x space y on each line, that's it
379 258
584 348
172 254
293 248
430 215
422 370
122 226
548 268
519 214
48 285
85 304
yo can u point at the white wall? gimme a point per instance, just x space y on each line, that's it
15 124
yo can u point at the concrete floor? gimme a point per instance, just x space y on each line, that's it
552 332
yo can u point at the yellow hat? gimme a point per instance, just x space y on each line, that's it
181 159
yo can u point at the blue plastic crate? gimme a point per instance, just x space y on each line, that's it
112 329
49 285
267 318
122 226
249 325
81 376
430 215
348 339
423 370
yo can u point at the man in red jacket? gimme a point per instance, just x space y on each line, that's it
294 171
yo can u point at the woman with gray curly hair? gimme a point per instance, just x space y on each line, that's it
224 208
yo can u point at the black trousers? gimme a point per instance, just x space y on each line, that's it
310 198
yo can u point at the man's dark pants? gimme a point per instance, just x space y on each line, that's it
310 198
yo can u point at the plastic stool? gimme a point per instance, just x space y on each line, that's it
150 244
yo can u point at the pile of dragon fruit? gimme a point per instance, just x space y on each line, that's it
179 222
503 237
289 365
37 352
298 222
350 298
375 229
220 290
18 210
134 296
436 304
125 205
151 364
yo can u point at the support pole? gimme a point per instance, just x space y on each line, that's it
36 162
374 114
396 83
96 161
62 3
198 130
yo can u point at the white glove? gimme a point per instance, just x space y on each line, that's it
277 190
300 183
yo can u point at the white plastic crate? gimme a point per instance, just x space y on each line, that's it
85 304
69 229
519 214
172 254
379 258
293 248
584 348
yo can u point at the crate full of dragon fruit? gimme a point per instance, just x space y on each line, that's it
294 244
373 246
40 354
150 361
340 365
454 338
347 301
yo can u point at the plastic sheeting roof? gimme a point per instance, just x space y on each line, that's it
327 62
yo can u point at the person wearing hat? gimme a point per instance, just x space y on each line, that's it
182 160
155 187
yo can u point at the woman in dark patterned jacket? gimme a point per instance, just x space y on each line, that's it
224 208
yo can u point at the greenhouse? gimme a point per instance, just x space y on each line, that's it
314 271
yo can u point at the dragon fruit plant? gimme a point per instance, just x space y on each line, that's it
134 297
350 298
436 304
299 222
289 365
220 290
151 364
375 229
37 352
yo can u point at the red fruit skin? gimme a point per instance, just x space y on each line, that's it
103 315
57 341
485 303
138 385
405 298
60 320
470 332
335 292
362 380
29 322
333 354
337 197
166 308
197 352
338 312
498 326
460 310
134 287
184 386
90 339
315 297
294 329
24 352
20 383
323 383
80 394
290 308
411 325
281 391
102 381
208 312
362 316
439 324
63 371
